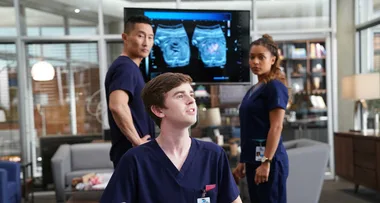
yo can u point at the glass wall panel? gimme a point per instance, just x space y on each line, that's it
9 127
218 5
114 12
8 19
370 49
114 50
376 49
292 14
58 17
370 63
366 50
52 98
367 10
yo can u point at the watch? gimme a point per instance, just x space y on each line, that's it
265 159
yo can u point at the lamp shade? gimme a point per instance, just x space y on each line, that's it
348 87
213 117
3 117
43 71
361 86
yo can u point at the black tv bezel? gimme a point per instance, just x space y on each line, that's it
249 82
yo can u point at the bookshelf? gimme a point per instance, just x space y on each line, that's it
304 63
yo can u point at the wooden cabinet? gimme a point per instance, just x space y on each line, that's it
344 157
357 158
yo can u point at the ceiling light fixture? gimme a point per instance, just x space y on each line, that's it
42 71
77 10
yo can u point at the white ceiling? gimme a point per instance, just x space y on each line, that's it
50 12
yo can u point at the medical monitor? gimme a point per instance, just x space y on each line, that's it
209 45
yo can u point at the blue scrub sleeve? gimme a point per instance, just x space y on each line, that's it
277 95
123 79
227 189
122 186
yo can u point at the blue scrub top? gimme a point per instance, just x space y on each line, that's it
254 117
146 175
125 75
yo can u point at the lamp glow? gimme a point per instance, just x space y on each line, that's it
43 71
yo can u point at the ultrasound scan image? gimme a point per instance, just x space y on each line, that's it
211 43
174 44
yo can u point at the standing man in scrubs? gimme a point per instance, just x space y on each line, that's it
173 168
130 124
264 159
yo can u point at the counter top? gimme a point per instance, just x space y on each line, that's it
369 135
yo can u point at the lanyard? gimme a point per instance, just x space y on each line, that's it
203 193
260 141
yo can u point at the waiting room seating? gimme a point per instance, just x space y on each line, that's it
307 166
71 161
10 183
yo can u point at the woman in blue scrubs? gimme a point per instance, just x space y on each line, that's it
173 168
263 158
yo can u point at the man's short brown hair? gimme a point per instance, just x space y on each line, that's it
154 91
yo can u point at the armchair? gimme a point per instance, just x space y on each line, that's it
76 160
10 183
307 165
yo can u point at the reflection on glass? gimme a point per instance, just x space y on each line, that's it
114 50
217 5
50 18
9 128
368 10
8 19
374 105
113 12
376 51
290 15
52 98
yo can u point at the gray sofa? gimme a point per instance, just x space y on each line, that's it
307 165
76 160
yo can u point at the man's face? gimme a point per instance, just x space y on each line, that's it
139 41
181 109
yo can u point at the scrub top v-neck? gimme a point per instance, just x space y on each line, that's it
168 164
146 175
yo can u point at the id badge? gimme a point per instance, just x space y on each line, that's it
259 153
204 200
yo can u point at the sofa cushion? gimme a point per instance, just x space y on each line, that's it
80 173
90 156
299 143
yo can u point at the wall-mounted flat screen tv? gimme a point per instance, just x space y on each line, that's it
209 45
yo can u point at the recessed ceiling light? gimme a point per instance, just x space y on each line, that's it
77 10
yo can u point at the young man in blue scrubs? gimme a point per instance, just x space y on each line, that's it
130 124
173 168
263 156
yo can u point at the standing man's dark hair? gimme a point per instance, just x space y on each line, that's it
130 23
130 124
